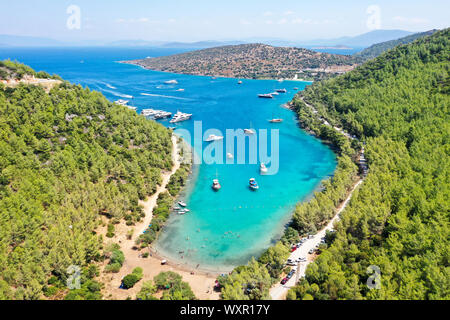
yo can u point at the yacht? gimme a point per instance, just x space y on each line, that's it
121 102
266 96
213 137
216 185
276 120
281 90
262 168
253 184
180 116
156 114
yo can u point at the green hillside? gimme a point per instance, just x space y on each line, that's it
66 158
377 49
399 219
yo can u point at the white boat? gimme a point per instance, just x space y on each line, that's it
182 204
253 184
171 82
262 168
267 96
156 114
276 120
274 93
229 156
180 116
180 90
239 82
216 185
281 90
213 137
249 131
121 102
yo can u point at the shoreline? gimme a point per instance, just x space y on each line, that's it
217 76
202 284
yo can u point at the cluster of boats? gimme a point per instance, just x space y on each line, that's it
156 114
272 94
182 208
253 185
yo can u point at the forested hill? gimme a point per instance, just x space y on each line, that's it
252 61
66 158
377 49
399 220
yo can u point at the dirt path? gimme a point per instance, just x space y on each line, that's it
201 284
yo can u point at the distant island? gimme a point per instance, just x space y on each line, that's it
252 61
331 47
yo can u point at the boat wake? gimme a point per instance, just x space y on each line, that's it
118 94
164 96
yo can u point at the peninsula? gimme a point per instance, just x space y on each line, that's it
252 61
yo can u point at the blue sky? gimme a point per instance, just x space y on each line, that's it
176 20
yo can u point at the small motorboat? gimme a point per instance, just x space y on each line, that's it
216 185
213 137
281 90
230 156
276 120
182 204
262 168
253 184
295 88
249 131
239 82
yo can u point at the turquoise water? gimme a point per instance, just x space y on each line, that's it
226 228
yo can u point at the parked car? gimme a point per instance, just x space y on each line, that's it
284 280
293 249
311 251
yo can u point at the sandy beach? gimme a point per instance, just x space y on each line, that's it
201 283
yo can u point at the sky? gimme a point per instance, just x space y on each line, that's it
196 20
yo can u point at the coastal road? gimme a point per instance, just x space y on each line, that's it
279 291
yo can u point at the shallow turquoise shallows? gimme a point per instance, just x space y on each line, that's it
226 228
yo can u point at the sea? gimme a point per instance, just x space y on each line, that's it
227 228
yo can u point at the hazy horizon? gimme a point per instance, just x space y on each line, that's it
178 21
